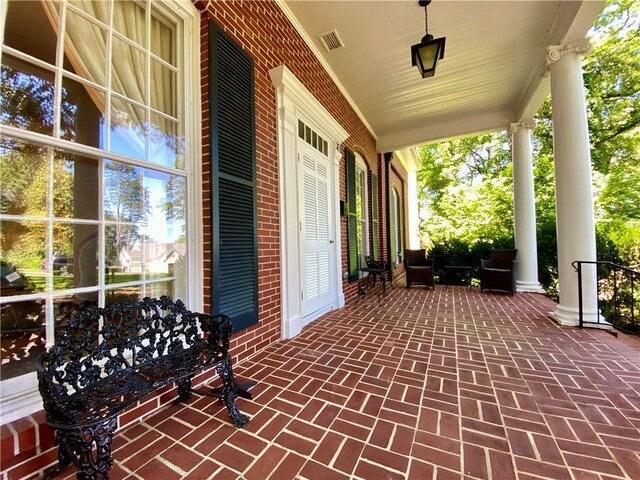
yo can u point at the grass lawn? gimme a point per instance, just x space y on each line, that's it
63 282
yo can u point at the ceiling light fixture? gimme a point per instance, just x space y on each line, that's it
428 52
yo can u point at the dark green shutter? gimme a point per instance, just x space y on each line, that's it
234 235
352 217
374 215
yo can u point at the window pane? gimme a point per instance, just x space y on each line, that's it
98 9
82 113
75 256
166 143
128 70
123 253
23 337
27 96
164 237
24 172
124 194
22 257
21 14
157 289
85 48
162 38
75 186
128 19
163 88
123 294
128 132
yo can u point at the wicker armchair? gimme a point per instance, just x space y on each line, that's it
418 268
499 272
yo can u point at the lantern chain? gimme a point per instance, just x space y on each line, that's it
426 20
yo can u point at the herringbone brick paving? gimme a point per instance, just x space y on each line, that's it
444 384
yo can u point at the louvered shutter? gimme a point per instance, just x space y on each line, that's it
352 216
234 244
374 216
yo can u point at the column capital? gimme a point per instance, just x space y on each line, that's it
514 127
556 52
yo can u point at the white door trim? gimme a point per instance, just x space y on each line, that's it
295 102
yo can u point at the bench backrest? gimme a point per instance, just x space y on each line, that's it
100 342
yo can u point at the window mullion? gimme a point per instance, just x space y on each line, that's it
57 86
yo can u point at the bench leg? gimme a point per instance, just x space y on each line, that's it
184 390
77 446
229 392
64 458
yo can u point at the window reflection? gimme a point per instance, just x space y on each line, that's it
22 257
24 172
42 45
27 96
130 293
75 186
22 337
61 229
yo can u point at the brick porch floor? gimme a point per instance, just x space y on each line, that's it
448 384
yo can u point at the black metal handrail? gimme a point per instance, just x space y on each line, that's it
616 296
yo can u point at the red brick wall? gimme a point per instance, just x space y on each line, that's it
264 32
397 174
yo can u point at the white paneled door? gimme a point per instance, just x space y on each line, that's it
316 235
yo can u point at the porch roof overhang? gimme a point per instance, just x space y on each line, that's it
491 75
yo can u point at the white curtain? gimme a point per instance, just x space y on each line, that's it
85 48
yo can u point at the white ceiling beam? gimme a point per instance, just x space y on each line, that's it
445 130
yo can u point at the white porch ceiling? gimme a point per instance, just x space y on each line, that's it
490 75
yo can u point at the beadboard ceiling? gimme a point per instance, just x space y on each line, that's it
491 74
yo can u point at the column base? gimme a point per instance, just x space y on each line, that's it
570 317
523 286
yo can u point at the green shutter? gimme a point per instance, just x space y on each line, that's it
374 216
352 217
234 245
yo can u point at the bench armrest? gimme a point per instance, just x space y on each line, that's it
217 328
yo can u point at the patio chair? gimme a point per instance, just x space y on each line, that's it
418 268
499 271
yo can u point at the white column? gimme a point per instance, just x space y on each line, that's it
574 194
412 210
524 208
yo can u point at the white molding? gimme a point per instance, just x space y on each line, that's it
410 159
556 52
298 99
193 129
20 397
514 127
295 101
318 54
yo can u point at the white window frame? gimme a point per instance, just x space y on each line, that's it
361 168
19 396
395 223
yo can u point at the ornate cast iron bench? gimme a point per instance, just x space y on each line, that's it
107 359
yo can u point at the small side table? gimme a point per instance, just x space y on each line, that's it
457 275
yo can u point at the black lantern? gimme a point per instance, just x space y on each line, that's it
429 51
